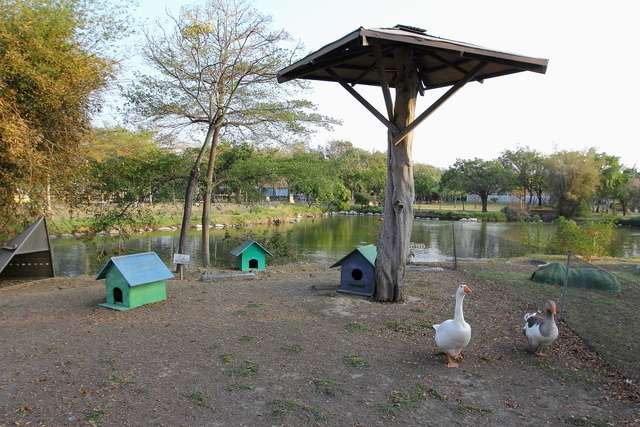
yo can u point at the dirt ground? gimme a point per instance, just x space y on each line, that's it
285 349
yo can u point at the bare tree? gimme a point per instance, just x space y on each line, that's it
216 67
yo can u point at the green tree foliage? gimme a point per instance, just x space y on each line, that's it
144 174
359 170
615 181
478 177
426 179
573 177
524 173
630 194
53 63
127 171
319 182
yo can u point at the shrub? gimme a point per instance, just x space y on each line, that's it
589 239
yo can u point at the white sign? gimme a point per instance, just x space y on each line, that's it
181 259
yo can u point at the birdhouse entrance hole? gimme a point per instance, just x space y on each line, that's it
357 274
253 263
117 295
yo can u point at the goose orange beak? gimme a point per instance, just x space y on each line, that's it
466 289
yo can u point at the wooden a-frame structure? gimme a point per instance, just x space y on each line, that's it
29 254
410 61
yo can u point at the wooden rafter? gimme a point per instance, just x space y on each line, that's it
466 79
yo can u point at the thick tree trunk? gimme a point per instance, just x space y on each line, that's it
395 235
194 176
206 206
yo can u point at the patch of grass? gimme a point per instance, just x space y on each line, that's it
419 310
215 346
587 312
573 375
586 421
142 391
564 369
356 360
96 415
247 368
248 338
239 385
71 362
468 409
355 326
108 361
430 391
424 324
284 407
400 402
239 312
328 387
254 305
227 358
407 325
293 349
400 325
5 307
320 414
200 397
112 381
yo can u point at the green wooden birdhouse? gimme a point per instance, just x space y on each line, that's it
134 280
250 255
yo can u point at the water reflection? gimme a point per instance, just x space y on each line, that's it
325 240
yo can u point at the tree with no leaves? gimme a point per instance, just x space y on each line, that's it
215 68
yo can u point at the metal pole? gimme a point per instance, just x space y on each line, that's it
566 284
455 256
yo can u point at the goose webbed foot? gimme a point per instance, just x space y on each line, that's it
450 362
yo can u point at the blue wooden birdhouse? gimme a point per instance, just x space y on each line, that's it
357 271
250 255
134 280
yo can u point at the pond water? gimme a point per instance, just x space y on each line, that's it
326 239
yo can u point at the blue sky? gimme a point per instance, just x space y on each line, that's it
588 97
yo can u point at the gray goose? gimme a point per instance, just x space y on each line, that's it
540 331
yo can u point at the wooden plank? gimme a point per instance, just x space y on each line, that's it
363 101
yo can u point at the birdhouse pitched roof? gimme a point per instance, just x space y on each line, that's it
369 252
245 245
138 269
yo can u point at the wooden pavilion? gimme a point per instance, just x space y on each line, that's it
412 62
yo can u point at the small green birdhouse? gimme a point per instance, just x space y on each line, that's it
357 271
134 280
250 256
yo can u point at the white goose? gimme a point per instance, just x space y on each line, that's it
454 334
540 331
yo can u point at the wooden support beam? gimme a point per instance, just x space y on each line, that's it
363 101
470 75
384 83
